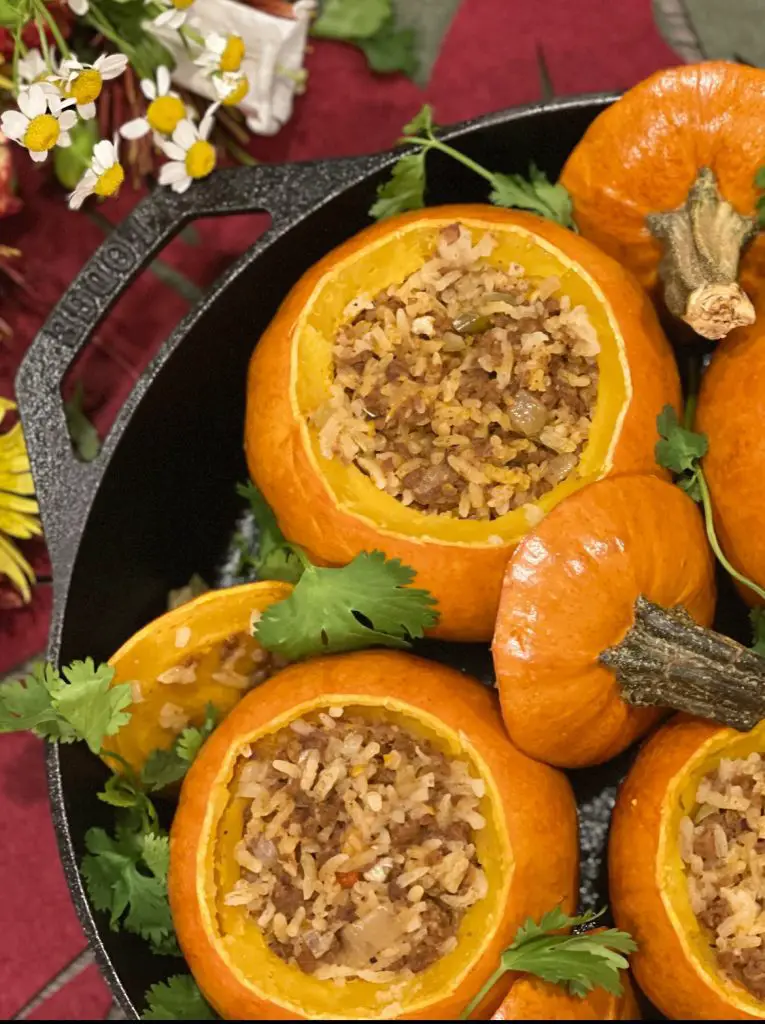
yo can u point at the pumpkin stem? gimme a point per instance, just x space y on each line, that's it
668 660
702 241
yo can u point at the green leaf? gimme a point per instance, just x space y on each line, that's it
178 998
391 49
274 557
405 189
182 595
27 705
163 767
70 162
156 854
367 602
421 123
13 14
535 193
90 705
679 449
351 19
121 791
759 178
84 435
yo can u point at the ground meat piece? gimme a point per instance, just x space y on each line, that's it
458 831
704 846
405 835
421 957
228 646
347 913
751 969
433 485
385 776
715 913
282 950
395 891
306 961
439 921
286 898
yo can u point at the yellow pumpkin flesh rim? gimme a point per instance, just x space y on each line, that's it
390 260
240 942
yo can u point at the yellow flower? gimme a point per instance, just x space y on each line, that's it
221 53
18 507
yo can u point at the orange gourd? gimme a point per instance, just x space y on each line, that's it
533 999
200 653
731 412
688 135
674 963
528 848
570 594
335 511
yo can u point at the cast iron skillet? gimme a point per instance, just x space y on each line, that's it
159 504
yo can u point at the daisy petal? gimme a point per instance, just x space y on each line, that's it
181 186
68 118
165 18
113 65
103 153
39 157
172 150
24 102
148 88
185 134
79 7
135 129
172 172
64 140
205 125
37 101
87 111
77 198
13 123
163 80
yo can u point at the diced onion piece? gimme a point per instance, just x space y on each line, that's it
527 415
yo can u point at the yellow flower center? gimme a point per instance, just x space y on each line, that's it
164 113
231 58
42 133
87 86
182 5
109 182
200 159
237 93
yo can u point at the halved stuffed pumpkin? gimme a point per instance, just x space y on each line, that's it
439 382
360 839
685 870
664 181
592 613
201 654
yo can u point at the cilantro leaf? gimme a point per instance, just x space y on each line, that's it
365 603
405 189
422 122
349 19
391 49
275 558
126 877
536 193
84 707
581 962
84 435
164 767
178 998
679 450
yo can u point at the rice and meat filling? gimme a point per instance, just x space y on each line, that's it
358 858
468 389
723 847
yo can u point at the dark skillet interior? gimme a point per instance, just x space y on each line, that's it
166 507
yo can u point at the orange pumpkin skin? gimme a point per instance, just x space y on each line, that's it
642 876
465 578
533 999
544 844
642 154
731 412
569 594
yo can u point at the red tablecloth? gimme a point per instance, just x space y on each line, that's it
488 61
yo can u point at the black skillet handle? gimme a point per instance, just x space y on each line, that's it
64 485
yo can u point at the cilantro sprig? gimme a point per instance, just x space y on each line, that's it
581 962
178 998
77 703
371 26
271 557
164 767
405 190
367 602
681 450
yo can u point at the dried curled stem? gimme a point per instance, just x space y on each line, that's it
703 240
668 660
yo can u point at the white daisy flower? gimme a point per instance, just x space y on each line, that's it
84 82
103 177
32 66
231 87
221 53
191 155
78 7
165 110
174 12
40 123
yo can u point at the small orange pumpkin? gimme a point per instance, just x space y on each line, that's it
200 653
528 848
731 412
335 511
663 180
570 594
674 963
533 999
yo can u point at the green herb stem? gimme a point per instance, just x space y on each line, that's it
43 41
706 501
55 31
442 147
471 1006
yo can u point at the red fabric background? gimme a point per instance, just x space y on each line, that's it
488 61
